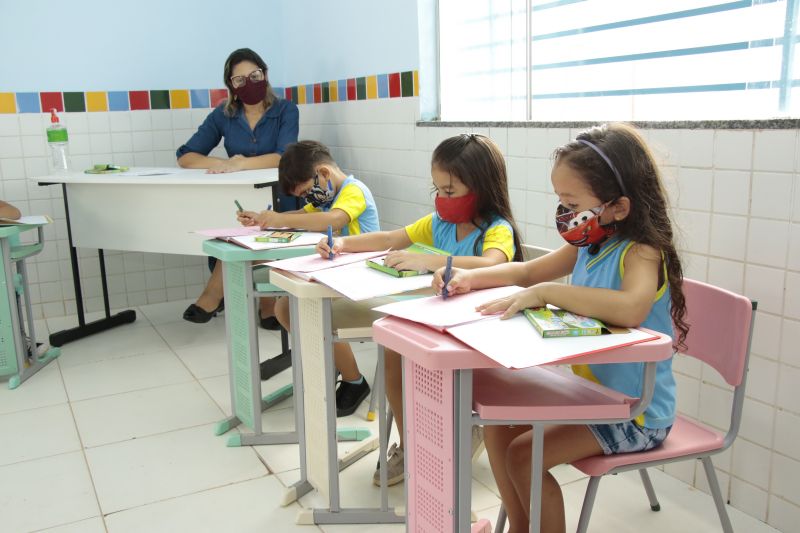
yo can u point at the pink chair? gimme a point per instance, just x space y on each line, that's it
721 324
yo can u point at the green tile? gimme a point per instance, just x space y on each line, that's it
74 102
159 99
295 95
326 92
361 88
407 83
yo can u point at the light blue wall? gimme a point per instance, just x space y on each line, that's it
322 40
81 45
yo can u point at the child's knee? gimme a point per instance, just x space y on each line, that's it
518 456
282 311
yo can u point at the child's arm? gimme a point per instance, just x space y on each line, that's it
302 219
366 242
9 211
627 307
551 266
403 260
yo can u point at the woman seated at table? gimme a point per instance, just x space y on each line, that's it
256 127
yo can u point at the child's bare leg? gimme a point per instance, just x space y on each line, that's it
267 307
394 388
281 310
497 440
562 444
346 361
212 294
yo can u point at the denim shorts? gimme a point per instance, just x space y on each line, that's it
627 437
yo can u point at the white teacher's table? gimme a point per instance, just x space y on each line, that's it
154 213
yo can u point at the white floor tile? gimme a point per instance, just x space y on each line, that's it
93 525
205 360
141 471
112 344
246 507
59 484
36 433
123 375
141 413
165 312
218 388
183 333
43 388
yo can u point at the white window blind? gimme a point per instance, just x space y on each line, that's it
618 59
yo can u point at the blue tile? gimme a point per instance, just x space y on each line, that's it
200 98
342 90
28 103
118 101
383 86
310 94
279 91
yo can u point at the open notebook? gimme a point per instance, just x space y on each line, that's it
248 237
514 343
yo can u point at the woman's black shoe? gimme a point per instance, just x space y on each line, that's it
198 315
270 322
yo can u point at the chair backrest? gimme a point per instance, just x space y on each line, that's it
720 327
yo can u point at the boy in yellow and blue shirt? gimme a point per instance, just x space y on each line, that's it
308 170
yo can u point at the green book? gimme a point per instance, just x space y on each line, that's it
278 236
418 248
559 323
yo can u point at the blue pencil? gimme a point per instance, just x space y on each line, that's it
330 241
448 272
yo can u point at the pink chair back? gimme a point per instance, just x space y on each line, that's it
719 328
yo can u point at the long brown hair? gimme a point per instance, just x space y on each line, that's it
478 163
648 221
236 57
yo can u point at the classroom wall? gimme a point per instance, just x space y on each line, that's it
736 195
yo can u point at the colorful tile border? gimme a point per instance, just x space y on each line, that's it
392 85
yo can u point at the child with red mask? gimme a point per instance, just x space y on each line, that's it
472 221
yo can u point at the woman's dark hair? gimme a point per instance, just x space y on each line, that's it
298 162
478 163
236 57
648 220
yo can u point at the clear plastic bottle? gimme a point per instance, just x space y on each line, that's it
58 139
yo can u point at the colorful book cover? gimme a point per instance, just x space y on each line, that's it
419 248
559 323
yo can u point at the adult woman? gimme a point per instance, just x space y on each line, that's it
256 127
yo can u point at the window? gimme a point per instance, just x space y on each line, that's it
617 59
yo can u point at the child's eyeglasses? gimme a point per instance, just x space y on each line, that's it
255 76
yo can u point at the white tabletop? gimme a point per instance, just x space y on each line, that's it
178 176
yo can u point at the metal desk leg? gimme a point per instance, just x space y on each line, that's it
537 446
463 451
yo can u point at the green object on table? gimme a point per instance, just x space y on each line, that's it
105 168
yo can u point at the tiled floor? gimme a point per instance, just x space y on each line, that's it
117 436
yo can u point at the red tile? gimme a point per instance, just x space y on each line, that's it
51 100
287 93
139 99
317 93
394 85
218 96
351 89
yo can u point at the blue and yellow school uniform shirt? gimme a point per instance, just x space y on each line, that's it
606 270
355 199
434 231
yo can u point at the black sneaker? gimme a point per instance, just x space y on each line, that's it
275 365
349 396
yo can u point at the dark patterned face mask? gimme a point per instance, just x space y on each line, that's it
319 197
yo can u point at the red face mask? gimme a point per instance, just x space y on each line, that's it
252 92
583 228
458 209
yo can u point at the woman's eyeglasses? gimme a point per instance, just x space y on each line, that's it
255 76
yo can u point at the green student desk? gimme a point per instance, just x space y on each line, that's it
19 357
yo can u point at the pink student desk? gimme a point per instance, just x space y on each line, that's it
438 398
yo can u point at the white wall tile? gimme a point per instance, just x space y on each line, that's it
790 342
9 125
500 136
783 515
771 195
140 121
121 142
696 148
715 406
727 236
695 189
766 243
13 168
774 150
161 119
749 498
99 143
666 146
765 285
766 335
10 147
75 122
792 309
785 473
788 378
758 421
732 191
694 228
688 395
33 123
787 434
120 121
733 149
751 462
99 122
726 274
517 141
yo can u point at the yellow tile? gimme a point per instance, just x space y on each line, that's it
301 94
96 101
7 103
333 90
372 87
179 99
416 83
